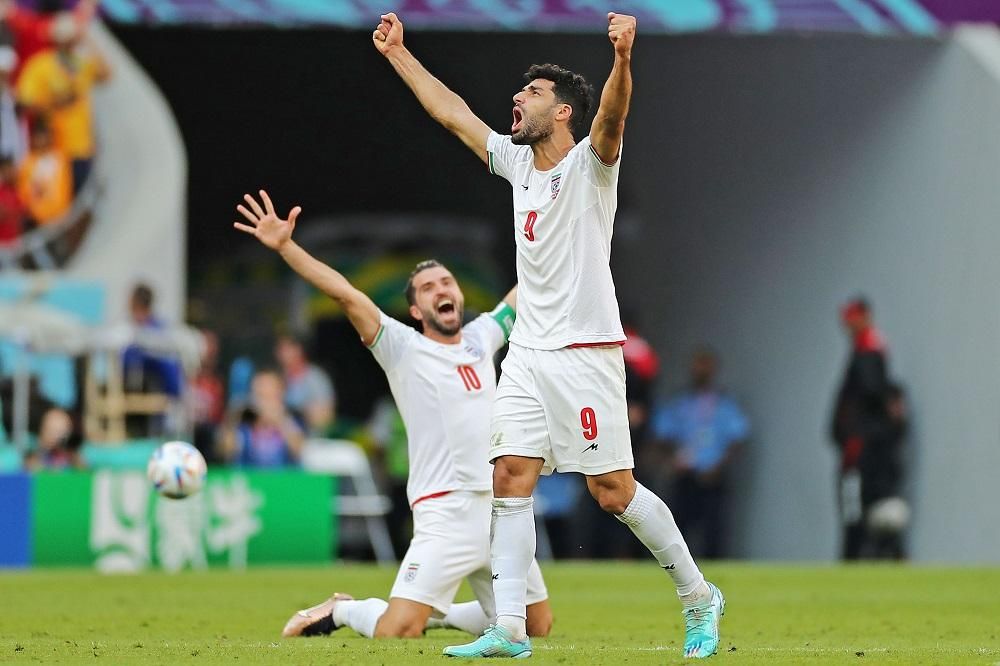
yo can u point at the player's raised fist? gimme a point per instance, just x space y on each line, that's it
621 32
388 34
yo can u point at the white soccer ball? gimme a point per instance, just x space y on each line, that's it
176 470
890 515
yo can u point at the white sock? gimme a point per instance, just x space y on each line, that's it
360 615
512 546
650 520
468 616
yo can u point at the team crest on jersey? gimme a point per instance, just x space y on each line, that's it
554 184
411 572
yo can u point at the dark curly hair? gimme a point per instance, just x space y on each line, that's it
569 88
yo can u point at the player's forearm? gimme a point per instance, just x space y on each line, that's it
440 102
315 272
615 97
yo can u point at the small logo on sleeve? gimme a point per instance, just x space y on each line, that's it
411 572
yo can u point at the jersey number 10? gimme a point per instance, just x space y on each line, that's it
469 378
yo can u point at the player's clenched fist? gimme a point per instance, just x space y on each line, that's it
389 33
621 32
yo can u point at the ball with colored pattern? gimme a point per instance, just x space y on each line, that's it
176 470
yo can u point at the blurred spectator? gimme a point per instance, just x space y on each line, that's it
147 371
310 392
44 180
58 444
392 458
12 129
208 397
241 373
57 83
869 421
601 534
704 429
642 367
266 435
11 209
31 30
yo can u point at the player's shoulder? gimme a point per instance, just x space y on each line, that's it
503 142
477 326
392 329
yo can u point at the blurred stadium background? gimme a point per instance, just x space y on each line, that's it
782 156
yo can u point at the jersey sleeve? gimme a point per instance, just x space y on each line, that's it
598 173
503 155
494 327
391 342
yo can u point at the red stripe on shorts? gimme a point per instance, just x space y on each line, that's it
431 496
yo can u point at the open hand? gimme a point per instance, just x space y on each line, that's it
621 32
388 34
265 225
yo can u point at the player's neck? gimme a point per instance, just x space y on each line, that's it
438 336
550 151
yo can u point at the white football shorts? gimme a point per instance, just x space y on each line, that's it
566 406
451 541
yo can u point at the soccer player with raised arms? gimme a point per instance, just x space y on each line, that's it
443 381
560 404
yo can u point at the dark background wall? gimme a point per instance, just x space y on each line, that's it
765 179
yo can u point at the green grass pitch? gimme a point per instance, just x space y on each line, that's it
606 613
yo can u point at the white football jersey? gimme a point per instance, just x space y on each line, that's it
563 221
444 394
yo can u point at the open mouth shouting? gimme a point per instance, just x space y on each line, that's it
445 307
518 120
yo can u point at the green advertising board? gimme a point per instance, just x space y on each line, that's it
112 520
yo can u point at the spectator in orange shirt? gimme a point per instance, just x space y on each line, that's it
57 83
11 208
45 181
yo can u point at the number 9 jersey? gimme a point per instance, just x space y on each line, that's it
563 223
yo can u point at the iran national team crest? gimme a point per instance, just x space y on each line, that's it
554 184
411 572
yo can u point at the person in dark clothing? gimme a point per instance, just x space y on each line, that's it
868 425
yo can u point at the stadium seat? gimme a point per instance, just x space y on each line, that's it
343 458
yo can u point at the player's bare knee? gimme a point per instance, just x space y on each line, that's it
412 631
613 502
512 477
398 630
611 499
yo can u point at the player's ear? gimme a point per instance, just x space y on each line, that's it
415 313
564 113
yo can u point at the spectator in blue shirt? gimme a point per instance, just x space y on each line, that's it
147 371
703 428
309 392
265 435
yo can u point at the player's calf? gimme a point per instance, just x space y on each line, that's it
403 619
539 622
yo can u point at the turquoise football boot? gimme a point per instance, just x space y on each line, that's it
701 626
496 642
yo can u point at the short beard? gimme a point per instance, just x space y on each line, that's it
430 319
531 133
